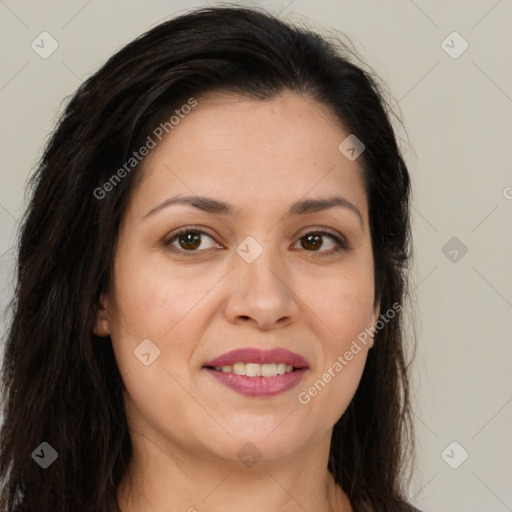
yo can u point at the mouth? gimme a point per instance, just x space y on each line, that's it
258 359
258 373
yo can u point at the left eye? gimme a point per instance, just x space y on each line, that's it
313 240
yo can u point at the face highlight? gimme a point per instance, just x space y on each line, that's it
249 229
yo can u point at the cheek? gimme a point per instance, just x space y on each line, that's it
146 305
331 387
150 305
345 309
150 300
343 302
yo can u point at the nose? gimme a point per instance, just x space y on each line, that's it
262 293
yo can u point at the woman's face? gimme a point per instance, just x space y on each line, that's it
251 279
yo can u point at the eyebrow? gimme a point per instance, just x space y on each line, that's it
215 207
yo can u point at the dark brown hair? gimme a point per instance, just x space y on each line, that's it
60 383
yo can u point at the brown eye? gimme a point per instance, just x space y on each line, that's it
189 240
314 240
311 242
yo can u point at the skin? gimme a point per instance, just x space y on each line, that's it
186 428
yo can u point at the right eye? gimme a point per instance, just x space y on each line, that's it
189 240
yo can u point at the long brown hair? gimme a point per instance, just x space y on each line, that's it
60 383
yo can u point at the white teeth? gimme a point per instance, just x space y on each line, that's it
226 368
256 370
281 368
253 370
269 370
239 368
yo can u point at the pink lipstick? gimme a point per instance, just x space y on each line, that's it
258 373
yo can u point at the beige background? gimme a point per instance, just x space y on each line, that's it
457 112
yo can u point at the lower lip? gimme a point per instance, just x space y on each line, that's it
259 386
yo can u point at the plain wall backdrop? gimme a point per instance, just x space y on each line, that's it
447 65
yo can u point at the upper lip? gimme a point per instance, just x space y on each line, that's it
259 356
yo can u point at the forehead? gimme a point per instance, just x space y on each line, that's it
239 149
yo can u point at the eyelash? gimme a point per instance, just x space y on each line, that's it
340 242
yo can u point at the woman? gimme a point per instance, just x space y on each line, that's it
212 267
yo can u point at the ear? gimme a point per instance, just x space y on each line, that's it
102 323
375 314
375 319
